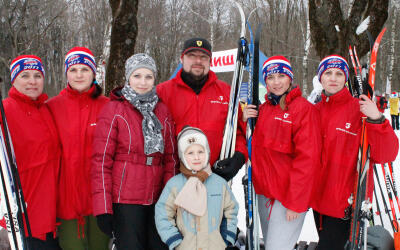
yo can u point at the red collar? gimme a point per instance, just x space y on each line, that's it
293 94
341 96
15 94
74 93
212 78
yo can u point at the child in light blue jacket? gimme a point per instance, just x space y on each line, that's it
197 209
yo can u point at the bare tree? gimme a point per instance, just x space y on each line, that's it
392 54
332 31
26 27
123 37
49 28
307 46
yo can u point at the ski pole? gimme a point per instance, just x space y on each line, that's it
383 199
390 196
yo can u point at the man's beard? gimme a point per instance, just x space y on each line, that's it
196 77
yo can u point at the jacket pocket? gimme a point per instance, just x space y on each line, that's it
156 177
278 137
134 183
216 241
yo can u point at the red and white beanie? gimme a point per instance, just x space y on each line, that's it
80 55
277 64
25 62
333 61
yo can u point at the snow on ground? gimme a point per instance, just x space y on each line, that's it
309 232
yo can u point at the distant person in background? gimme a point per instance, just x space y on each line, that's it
37 148
75 112
394 109
381 101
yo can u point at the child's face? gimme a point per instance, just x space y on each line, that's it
195 156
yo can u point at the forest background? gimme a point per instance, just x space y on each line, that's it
303 31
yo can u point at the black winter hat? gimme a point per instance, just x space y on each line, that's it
197 43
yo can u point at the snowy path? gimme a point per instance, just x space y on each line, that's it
309 232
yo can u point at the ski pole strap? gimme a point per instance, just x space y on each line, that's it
81 227
269 205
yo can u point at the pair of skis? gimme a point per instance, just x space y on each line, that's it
391 194
229 139
252 219
12 204
361 204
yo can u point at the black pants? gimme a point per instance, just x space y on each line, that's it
49 244
135 228
395 122
333 232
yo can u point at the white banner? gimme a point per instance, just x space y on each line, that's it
223 61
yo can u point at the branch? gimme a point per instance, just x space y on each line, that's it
118 10
44 31
4 61
358 11
197 14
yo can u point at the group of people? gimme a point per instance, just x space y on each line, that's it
139 166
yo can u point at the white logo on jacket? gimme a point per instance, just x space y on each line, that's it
92 124
220 100
284 119
345 130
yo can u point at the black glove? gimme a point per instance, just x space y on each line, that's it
378 238
105 223
229 167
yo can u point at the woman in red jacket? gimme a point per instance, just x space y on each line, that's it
37 147
134 155
75 111
341 119
285 153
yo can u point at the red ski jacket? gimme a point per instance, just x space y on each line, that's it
37 152
286 151
75 115
207 110
121 172
341 123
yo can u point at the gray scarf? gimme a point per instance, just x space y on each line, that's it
151 126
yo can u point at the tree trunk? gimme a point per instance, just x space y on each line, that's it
332 33
123 37
392 46
307 49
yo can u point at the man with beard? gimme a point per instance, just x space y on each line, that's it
197 98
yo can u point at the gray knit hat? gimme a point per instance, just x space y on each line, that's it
189 136
138 61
